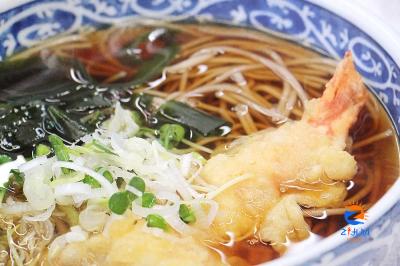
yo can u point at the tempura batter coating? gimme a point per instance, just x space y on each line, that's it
130 242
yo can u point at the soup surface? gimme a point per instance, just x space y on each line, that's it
107 135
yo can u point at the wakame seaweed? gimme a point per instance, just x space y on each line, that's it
37 99
66 124
52 104
45 94
185 115
158 112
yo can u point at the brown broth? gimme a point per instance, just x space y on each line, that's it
248 252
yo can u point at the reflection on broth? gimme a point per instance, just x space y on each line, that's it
205 146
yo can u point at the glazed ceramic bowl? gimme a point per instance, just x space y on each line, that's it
323 25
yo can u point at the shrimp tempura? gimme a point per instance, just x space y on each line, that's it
301 163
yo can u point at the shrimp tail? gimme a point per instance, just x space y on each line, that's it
343 98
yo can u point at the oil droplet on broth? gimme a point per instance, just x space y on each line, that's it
219 94
202 69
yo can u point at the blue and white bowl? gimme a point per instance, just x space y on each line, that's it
322 25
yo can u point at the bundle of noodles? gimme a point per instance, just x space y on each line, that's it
26 240
250 79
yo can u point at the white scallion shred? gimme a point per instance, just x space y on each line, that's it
174 180
99 178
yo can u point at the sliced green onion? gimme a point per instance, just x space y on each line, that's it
60 150
132 196
108 176
101 147
148 200
42 150
19 177
186 214
4 159
138 183
93 182
171 135
105 173
119 202
155 220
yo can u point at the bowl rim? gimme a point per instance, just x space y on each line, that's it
389 40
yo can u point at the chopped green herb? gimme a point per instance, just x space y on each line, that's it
101 147
155 220
171 135
148 200
4 159
138 183
131 196
105 173
93 182
42 150
119 202
60 150
108 176
186 214
19 177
